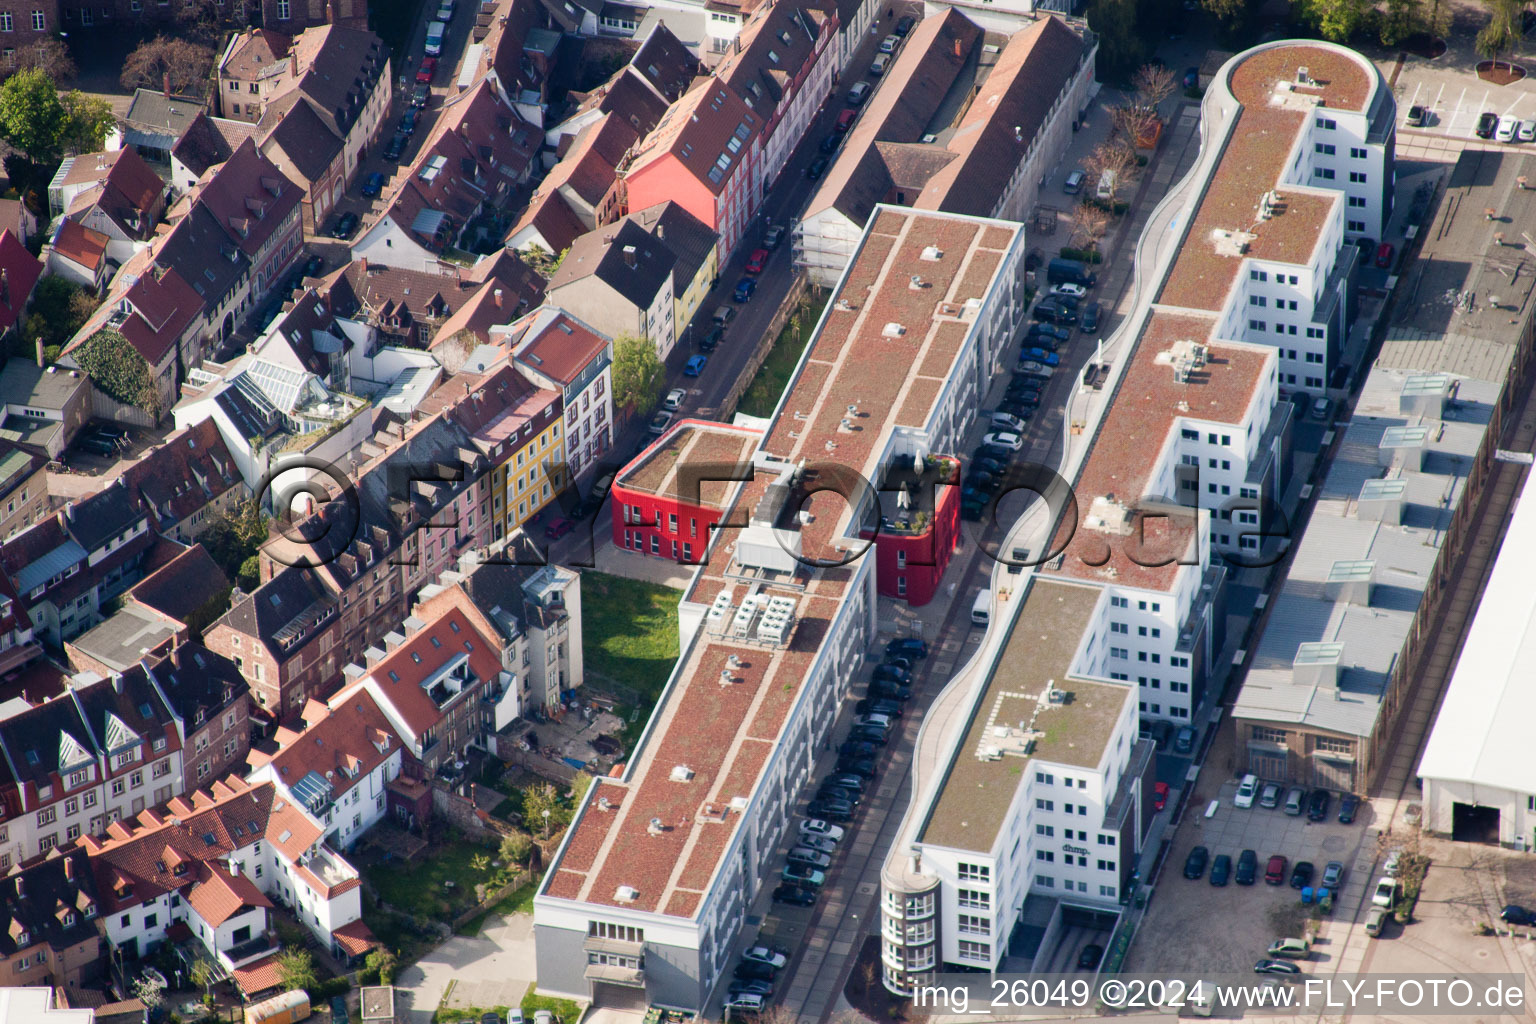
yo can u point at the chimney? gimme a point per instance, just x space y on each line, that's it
957 49
40 360
629 260
661 232
117 681
5 286
234 868
176 657
293 63
69 868
497 294
20 889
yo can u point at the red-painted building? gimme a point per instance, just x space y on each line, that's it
919 530
659 511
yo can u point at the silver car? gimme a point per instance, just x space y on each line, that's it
812 858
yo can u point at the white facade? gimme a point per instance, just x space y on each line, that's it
388 243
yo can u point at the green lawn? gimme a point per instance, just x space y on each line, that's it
762 395
629 631
417 887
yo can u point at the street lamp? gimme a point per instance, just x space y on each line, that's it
546 823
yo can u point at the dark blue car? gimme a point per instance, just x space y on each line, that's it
373 184
744 288
694 366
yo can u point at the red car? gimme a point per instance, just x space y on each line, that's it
1274 873
428 69
756 260
1384 254
845 120
1159 796
559 528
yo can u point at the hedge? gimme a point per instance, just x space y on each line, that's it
118 371
1085 255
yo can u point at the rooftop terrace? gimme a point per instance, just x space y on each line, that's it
695 443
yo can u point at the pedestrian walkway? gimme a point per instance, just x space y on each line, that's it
488 970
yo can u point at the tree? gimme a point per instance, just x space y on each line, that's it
187 63
1122 46
234 538
1088 224
1234 18
150 992
1401 19
638 376
1153 84
516 848
296 969
1116 159
543 262
59 309
381 962
118 371
1134 123
31 117
87 120
50 55
1335 20
539 800
202 975
1503 29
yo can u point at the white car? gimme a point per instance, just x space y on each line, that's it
821 844
1005 439
1038 369
674 399
1006 421
889 44
1385 894
1508 128
1527 132
764 955
445 10
1393 862
1246 791
879 64
659 424
817 827
1077 291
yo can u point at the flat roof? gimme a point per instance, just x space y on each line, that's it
1482 732
981 783
1339 541
1148 402
1274 112
658 844
690 442
123 640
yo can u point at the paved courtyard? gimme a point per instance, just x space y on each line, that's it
492 969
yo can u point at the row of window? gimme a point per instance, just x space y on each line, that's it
1157 709
1120 602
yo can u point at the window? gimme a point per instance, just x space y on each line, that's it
975 950
283 10
1106 839
1358 177
975 872
1258 275
1045 855
975 899
1326 173
1357 201
39 22
1325 148
47 815
1044 778
1044 805
975 924
1257 300
1048 830
1257 325
1354 227
1327 124
1045 881
7 23
1120 602
1265 734
1331 745
1357 153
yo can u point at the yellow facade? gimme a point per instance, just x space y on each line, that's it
533 477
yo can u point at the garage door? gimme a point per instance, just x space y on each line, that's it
1267 763
619 997
1329 774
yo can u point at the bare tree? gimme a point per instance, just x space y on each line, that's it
49 55
1153 84
1115 159
1134 123
186 65
1089 222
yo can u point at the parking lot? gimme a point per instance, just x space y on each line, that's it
1237 922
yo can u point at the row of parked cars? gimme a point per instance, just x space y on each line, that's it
753 979
1296 800
1247 870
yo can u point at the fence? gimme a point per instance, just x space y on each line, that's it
765 345
521 879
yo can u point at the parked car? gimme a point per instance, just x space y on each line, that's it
762 954
1246 790
1269 796
1291 949
803 874
674 399
1184 740
1418 116
857 95
1507 127
904 26
1040 355
879 705
818 844
756 261
889 44
1487 124
1039 371
885 688
824 829
867 734
1393 863
427 71
740 988
421 94
1333 875
1247 867
1274 872
1005 439
910 647
408 119
794 895
856 748
1301 874
1221 869
1275 967
1074 183
396 147
1295 801
744 289
773 236
1384 253
861 766
832 810
712 338
345 226
558 527
1089 958
1517 915
659 424
818 168
373 184
313 266
1527 131
1385 893
879 64
1159 795
695 365
1090 318
1194 864
1375 921
1348 805
1051 331
445 10
1317 805
755 970
1051 311
1073 289
434 42
811 858
845 121
891 673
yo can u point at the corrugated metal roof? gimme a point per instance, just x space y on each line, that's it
49 566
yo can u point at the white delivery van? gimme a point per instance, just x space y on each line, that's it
981 611
1106 187
435 33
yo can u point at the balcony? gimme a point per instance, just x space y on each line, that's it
908 494
613 974
245 952
328 867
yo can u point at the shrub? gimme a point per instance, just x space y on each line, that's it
118 371
1085 255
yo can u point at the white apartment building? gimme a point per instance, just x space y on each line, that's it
651 885
560 352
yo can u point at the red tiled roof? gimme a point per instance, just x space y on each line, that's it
248 196
356 938
19 271
400 675
260 976
219 894
562 347
695 132
85 246
342 745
